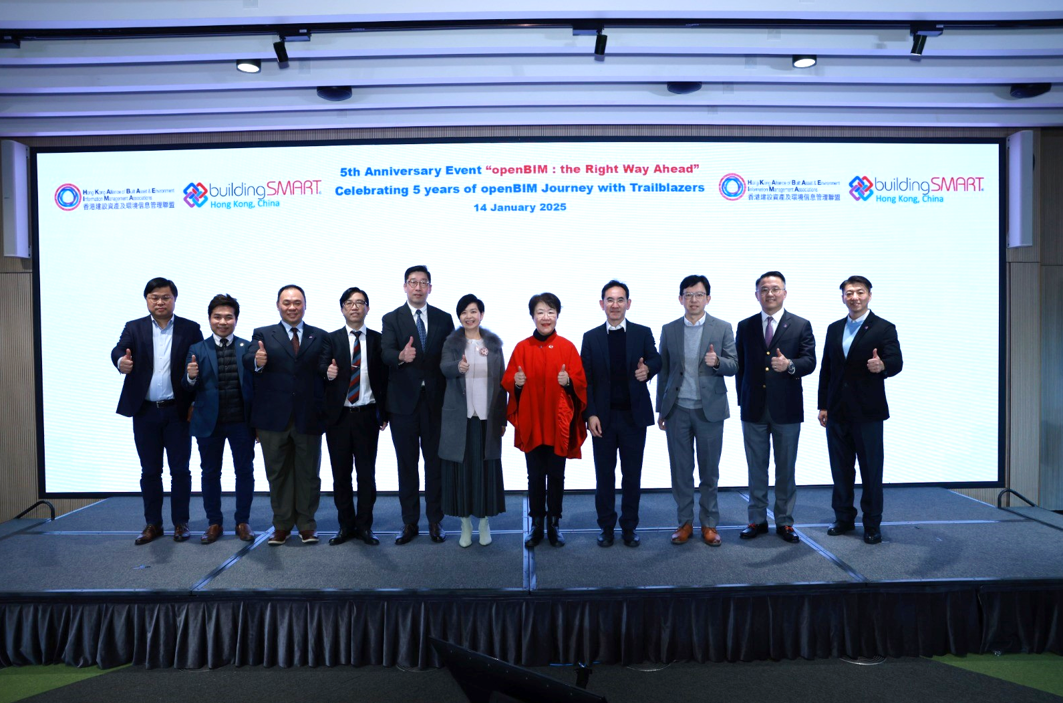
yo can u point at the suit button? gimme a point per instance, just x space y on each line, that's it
764 386
767 353
766 368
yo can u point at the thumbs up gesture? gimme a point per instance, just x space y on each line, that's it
193 368
125 364
642 372
779 363
408 353
875 364
333 371
520 378
710 357
562 376
463 365
260 356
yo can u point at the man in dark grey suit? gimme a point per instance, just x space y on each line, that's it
697 351
775 349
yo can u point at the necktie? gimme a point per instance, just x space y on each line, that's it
295 340
421 331
354 388
767 332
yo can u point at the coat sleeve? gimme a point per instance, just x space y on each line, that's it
650 355
125 341
665 368
587 358
890 352
805 361
728 355
740 355
824 374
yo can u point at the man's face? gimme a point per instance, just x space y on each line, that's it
771 293
161 302
694 300
417 288
223 321
856 297
615 303
354 310
291 306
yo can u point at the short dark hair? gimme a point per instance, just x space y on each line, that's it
616 284
467 300
771 274
691 281
551 301
419 268
160 282
351 291
223 300
290 285
851 281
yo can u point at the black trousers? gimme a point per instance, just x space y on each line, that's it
848 442
156 430
352 446
418 431
621 436
546 481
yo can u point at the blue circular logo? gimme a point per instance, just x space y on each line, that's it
68 197
732 186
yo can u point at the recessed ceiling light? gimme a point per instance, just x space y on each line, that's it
249 65
804 61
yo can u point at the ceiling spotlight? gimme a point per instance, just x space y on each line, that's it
282 54
804 61
919 34
334 93
249 65
683 87
599 46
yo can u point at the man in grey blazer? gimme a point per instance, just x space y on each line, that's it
697 351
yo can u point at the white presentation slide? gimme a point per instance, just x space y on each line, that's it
506 220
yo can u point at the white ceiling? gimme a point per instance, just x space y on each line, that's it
162 66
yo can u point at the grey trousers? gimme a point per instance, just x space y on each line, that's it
687 430
783 439
293 465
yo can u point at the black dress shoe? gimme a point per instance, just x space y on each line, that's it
369 538
553 533
753 529
536 535
436 532
408 533
840 528
787 533
872 535
605 538
631 539
341 537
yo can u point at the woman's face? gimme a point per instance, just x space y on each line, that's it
471 317
545 318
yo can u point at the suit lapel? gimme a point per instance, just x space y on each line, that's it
211 353
784 326
860 334
308 339
239 347
703 347
280 335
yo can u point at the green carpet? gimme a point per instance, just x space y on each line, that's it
18 682
1041 671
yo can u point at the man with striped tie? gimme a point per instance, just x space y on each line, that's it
355 395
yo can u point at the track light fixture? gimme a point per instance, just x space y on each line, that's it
334 93
282 54
919 34
249 65
804 61
683 87
599 46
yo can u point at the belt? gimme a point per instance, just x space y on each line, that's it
360 408
161 403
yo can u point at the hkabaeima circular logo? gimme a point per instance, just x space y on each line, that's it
732 186
68 197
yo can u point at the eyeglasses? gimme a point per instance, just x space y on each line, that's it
418 284
693 296
160 298
773 291
352 304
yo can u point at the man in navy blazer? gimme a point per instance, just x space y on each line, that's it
619 359
412 344
860 353
776 349
288 413
221 391
150 354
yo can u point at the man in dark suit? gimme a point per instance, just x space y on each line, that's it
411 344
619 359
221 390
861 351
355 396
775 350
287 411
151 354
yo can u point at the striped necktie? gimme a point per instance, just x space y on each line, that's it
354 388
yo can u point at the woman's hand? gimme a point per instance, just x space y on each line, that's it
562 377
520 378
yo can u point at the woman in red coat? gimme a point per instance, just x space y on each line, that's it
547 396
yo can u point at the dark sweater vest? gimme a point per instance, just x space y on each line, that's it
230 399
619 394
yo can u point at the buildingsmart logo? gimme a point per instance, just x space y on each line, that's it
68 197
861 188
732 187
195 195
902 189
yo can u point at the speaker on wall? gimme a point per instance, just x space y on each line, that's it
1021 178
14 179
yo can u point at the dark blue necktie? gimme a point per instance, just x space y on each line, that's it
421 331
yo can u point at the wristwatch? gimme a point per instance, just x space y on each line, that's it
792 370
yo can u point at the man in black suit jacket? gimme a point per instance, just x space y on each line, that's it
411 344
775 350
151 355
619 359
355 396
287 412
861 351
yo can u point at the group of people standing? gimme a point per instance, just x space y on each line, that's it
449 395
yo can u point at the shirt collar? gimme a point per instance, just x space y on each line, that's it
777 316
288 327
423 309
621 326
217 339
857 321
169 325
699 323
360 330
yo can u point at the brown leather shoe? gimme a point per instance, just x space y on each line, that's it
244 532
278 537
682 533
710 536
180 532
211 535
308 536
150 532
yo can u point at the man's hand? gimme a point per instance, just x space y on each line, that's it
875 364
660 422
333 371
562 377
594 426
408 353
642 372
193 368
261 357
779 363
125 364
711 359
520 378
823 418
463 365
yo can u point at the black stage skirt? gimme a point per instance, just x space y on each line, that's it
473 487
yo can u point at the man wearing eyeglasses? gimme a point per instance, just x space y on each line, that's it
697 351
355 395
775 350
411 345
151 355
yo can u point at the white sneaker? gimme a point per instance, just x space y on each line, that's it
485 532
466 532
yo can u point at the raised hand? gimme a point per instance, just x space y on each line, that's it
125 364
408 353
710 357
779 363
562 376
642 372
520 378
875 364
463 365
193 368
333 371
261 357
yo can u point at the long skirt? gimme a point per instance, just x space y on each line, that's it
474 486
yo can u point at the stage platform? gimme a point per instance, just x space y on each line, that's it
952 575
